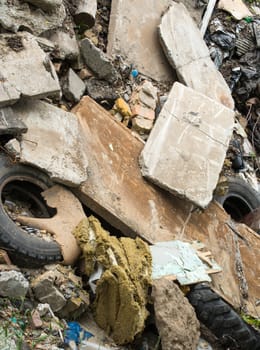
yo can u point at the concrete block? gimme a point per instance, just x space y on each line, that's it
97 61
186 149
187 52
53 142
25 68
73 87
133 35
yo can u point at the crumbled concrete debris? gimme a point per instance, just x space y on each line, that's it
189 55
20 71
192 133
62 290
66 43
10 124
175 318
13 284
100 90
69 214
86 12
73 87
66 161
133 36
97 61
16 15
236 8
122 290
45 291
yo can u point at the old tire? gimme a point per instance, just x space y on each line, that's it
222 320
240 199
24 249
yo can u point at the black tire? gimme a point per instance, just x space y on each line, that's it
240 199
24 249
222 320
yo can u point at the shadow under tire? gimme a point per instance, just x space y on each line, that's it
24 249
222 320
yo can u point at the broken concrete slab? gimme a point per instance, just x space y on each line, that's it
236 8
16 15
73 87
133 35
61 225
56 136
23 65
173 316
202 76
180 37
10 124
186 149
97 61
187 52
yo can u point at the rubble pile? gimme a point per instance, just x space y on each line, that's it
128 118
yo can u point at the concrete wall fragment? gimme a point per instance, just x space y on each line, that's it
185 151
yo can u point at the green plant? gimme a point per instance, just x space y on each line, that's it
251 320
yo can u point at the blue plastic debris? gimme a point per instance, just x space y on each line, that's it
76 333
134 73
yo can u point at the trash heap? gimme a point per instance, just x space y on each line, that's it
124 139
